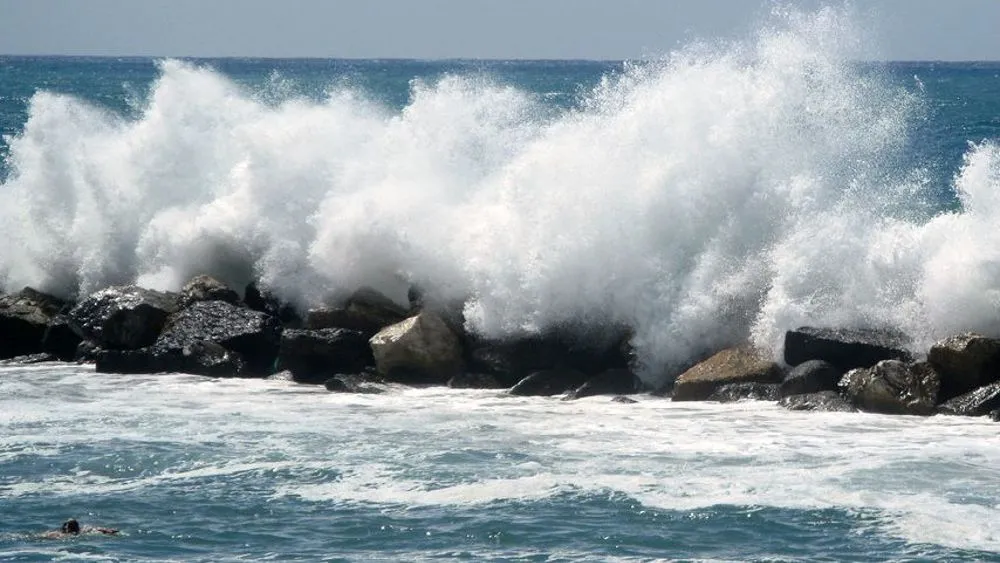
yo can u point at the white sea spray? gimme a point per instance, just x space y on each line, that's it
725 192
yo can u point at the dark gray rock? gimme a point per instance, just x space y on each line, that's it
845 349
824 401
966 362
207 288
735 365
122 317
197 358
979 402
512 360
254 335
995 415
734 392
610 382
812 376
624 400
467 380
313 356
60 339
24 317
366 310
86 352
893 387
549 382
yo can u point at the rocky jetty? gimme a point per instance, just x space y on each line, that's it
368 341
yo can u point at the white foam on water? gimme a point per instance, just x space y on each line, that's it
927 480
728 191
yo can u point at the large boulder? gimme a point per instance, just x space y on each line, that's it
734 392
824 401
979 402
549 382
893 387
207 288
419 349
24 317
197 358
60 339
965 362
313 356
845 349
735 365
812 376
254 335
610 382
366 310
123 317
512 360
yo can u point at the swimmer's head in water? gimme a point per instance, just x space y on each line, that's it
71 526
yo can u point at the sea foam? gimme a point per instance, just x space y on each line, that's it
725 192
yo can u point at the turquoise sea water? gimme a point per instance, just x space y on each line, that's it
714 196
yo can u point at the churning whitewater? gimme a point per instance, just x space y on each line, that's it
728 191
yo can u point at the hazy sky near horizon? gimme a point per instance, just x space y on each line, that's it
588 29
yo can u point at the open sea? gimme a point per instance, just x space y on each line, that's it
722 193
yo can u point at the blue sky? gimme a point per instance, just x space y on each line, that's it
593 29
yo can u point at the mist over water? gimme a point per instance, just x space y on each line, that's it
722 193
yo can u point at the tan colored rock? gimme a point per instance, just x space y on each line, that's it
735 365
419 349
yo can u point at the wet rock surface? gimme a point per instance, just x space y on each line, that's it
844 349
24 318
734 392
735 365
893 387
978 402
254 335
197 358
966 362
123 317
313 356
824 401
812 376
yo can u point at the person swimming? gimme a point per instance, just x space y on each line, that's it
72 527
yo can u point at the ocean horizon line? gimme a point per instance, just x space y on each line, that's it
28 56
